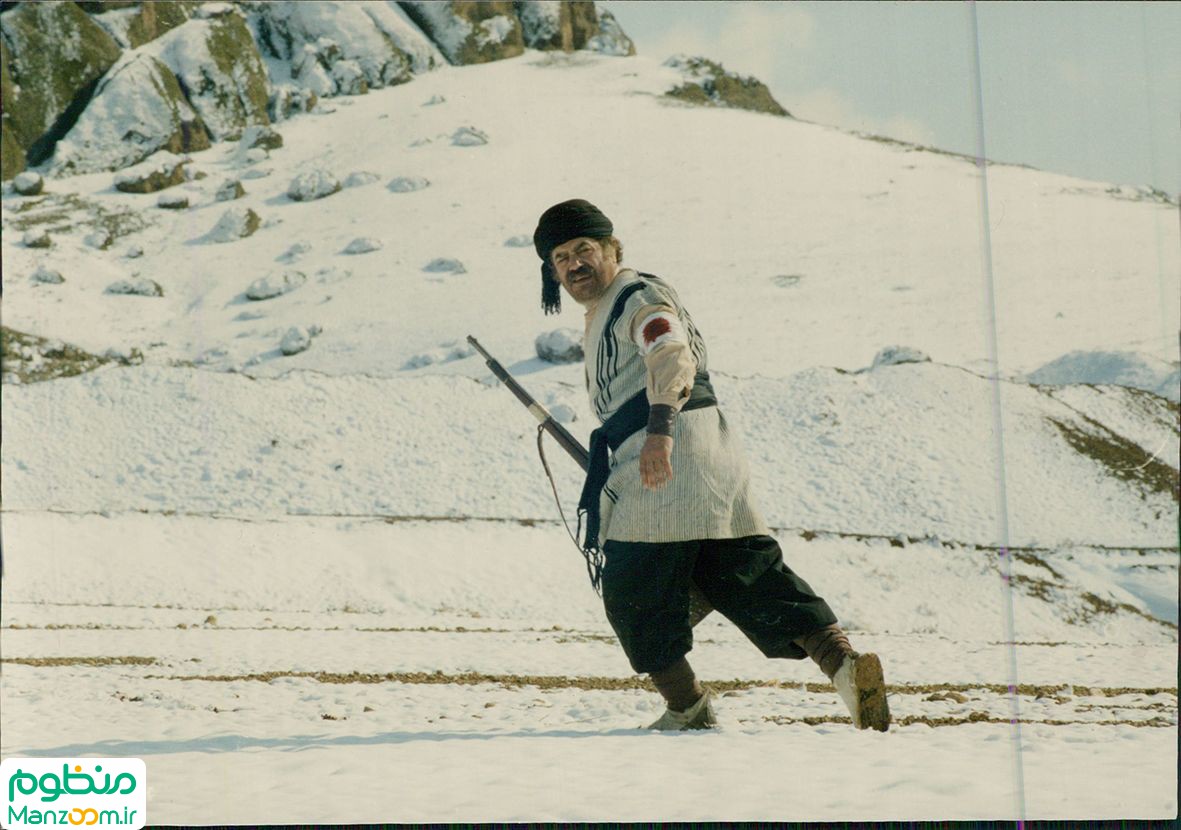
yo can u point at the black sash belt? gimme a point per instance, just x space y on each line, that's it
626 422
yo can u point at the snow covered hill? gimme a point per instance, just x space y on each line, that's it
901 450
281 493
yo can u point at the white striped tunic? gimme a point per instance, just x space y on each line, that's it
709 496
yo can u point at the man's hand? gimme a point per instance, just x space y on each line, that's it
656 465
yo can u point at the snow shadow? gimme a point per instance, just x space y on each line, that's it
296 743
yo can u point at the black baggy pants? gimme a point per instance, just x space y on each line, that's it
646 596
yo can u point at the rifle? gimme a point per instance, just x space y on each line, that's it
699 606
558 432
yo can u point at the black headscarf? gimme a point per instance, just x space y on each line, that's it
561 223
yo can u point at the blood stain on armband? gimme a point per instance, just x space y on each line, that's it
654 329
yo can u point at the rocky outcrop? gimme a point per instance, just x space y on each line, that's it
568 25
342 48
707 83
54 56
611 39
155 18
220 70
100 6
137 110
12 154
468 32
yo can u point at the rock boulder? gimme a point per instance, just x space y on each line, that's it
137 110
467 32
217 62
313 184
568 26
54 56
559 346
163 171
28 184
707 83
340 48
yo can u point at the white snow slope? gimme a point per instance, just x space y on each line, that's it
261 573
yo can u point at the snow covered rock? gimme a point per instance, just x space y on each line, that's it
47 276
313 184
559 346
338 48
137 109
151 20
706 82
36 238
1099 368
295 252
444 265
519 241
287 100
349 78
134 252
136 286
217 62
100 239
360 178
446 353
610 39
275 285
298 339
235 223
468 33
172 201
53 54
162 171
568 26
469 137
12 154
408 184
260 135
363 245
28 184
229 190
896 355
434 100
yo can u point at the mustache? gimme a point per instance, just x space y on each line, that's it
580 271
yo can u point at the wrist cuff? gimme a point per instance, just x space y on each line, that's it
661 417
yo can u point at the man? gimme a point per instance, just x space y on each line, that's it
672 507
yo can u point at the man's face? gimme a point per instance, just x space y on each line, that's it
584 268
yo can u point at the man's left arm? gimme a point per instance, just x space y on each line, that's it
671 368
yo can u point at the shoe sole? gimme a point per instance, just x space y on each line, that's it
871 693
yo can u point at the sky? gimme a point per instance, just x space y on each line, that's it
1087 89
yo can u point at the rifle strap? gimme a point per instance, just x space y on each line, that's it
557 500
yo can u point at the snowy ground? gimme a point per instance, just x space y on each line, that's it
344 565
451 671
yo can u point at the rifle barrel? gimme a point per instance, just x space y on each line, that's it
558 432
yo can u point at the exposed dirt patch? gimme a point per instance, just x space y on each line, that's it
1122 458
27 358
628 683
56 662
68 212
973 717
